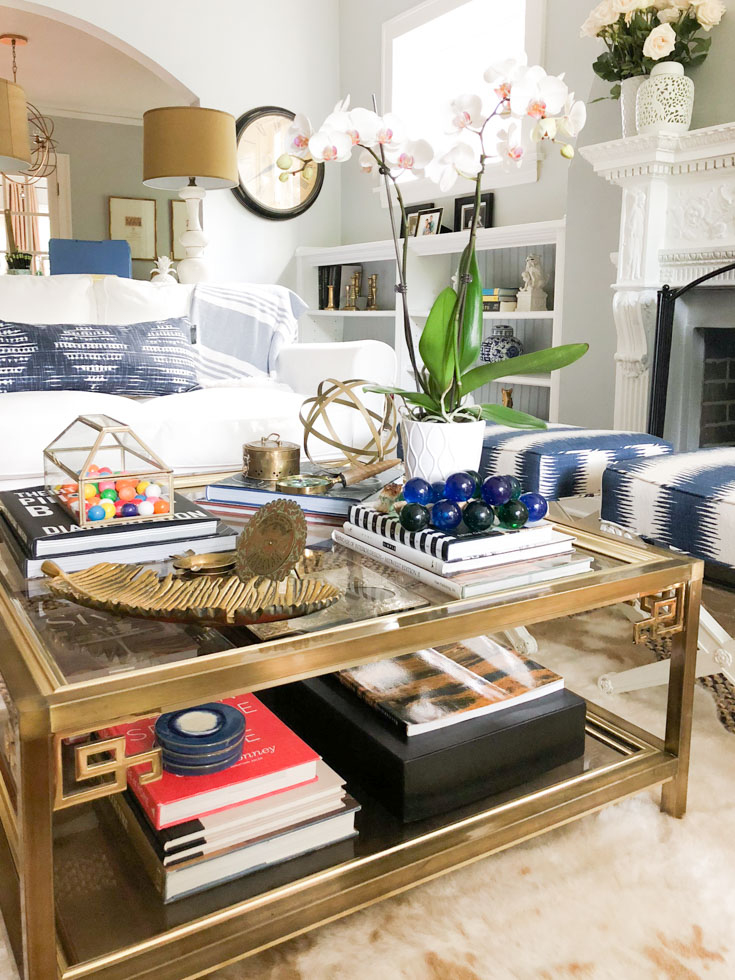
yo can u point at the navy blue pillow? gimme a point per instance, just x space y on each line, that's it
154 358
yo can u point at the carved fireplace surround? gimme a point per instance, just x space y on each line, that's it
677 222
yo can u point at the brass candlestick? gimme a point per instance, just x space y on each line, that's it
330 298
350 295
372 303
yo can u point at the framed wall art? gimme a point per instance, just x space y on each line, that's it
429 222
133 219
464 208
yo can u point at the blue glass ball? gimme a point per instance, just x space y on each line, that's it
536 505
478 516
129 510
414 517
478 483
512 515
459 487
446 515
437 492
417 491
515 488
96 513
496 490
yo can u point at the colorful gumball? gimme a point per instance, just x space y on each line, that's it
109 493
416 491
106 485
437 492
90 490
125 492
96 513
536 505
108 507
446 515
512 514
129 510
119 504
93 501
160 506
140 487
478 516
105 471
92 470
496 490
146 508
153 490
414 517
459 487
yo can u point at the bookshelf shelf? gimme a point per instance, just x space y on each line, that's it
357 314
538 315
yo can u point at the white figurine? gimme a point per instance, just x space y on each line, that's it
163 272
532 296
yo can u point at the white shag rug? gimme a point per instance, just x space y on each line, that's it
627 893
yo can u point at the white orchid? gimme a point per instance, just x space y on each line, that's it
574 117
538 95
361 125
510 146
329 145
466 112
299 133
413 156
391 131
462 160
505 74
366 161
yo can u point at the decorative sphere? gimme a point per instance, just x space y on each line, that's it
515 488
109 493
417 491
108 507
446 515
513 514
140 488
96 513
125 492
119 504
496 490
478 516
92 501
105 471
129 510
437 492
536 505
90 490
160 506
91 470
145 508
153 490
459 487
478 483
414 517
106 485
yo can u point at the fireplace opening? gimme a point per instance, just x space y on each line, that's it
717 420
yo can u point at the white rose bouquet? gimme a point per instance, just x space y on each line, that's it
638 33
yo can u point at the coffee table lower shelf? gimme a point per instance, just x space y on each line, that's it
112 925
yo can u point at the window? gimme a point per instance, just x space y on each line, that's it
35 212
441 49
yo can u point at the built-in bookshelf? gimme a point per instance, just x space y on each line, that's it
433 260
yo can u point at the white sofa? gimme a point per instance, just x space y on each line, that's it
196 431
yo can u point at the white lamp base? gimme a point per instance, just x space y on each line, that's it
194 267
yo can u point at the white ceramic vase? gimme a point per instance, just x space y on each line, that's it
665 101
628 92
435 450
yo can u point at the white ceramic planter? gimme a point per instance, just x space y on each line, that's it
628 92
665 101
435 450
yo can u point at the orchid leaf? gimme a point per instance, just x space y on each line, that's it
469 348
435 346
537 362
416 397
509 416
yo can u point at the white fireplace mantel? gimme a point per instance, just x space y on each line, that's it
677 222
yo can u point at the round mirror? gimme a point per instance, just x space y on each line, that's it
262 137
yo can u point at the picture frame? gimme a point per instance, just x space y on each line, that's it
429 222
177 226
465 206
412 216
133 219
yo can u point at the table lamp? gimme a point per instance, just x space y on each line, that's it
15 145
192 150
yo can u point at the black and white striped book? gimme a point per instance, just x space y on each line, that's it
450 547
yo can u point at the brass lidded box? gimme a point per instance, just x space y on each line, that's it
270 458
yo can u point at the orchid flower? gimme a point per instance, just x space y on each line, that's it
461 160
575 116
537 94
413 156
299 133
466 113
391 132
327 145
366 161
510 146
505 75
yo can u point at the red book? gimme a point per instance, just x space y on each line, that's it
273 759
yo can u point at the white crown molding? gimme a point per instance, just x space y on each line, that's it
64 112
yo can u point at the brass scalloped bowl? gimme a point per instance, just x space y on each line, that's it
132 590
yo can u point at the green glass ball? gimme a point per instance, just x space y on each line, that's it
515 488
478 483
478 516
414 517
512 515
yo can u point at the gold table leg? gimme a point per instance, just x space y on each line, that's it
681 701
35 814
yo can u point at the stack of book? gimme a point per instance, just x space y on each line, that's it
37 528
464 565
193 832
335 276
499 299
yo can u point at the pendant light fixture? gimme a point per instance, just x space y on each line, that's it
27 146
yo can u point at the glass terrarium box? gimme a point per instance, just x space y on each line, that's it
102 473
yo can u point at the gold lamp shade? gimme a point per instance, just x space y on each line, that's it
15 145
181 142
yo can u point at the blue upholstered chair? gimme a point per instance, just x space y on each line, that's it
74 255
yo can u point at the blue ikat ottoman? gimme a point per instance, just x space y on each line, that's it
686 501
562 460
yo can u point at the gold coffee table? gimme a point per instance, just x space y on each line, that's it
75 898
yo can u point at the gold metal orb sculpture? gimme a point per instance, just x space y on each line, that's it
383 427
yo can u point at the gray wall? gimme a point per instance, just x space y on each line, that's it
106 160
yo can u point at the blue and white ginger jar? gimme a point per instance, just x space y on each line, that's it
500 345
